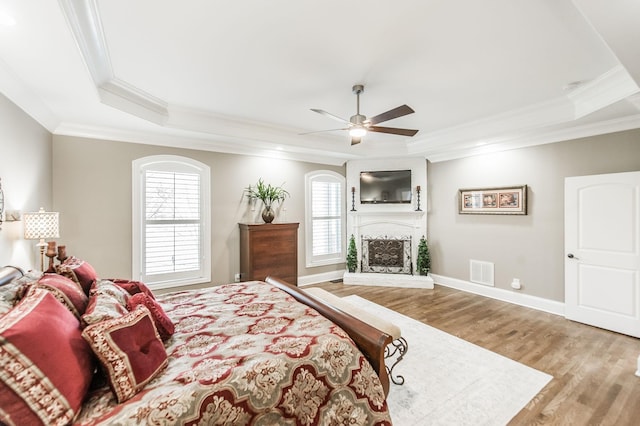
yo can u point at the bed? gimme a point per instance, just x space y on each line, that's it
244 353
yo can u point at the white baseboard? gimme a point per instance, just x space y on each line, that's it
520 299
514 297
319 278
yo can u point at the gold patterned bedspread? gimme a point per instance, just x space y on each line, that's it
250 354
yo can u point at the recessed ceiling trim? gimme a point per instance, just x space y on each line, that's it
540 137
20 94
556 111
226 144
84 19
125 97
607 89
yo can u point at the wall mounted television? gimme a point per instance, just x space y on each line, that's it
385 187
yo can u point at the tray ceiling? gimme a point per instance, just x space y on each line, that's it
241 77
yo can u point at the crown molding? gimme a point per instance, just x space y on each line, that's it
485 130
607 89
540 137
205 142
84 19
20 94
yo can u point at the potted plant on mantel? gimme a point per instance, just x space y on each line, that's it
268 195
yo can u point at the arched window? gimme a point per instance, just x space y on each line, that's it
325 218
171 221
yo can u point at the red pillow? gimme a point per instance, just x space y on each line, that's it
133 287
129 349
66 291
40 385
162 322
79 271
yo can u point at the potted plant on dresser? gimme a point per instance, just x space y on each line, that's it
269 195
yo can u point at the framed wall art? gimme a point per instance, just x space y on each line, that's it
504 200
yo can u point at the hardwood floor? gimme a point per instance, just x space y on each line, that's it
593 369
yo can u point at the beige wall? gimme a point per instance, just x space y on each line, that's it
25 170
92 191
530 247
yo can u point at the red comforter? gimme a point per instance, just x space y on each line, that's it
249 354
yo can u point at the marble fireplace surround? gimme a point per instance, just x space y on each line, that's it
388 221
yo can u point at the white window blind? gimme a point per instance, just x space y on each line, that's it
171 226
172 221
325 218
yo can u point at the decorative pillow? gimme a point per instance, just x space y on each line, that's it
133 287
129 349
66 291
107 287
11 293
78 271
162 322
103 306
39 385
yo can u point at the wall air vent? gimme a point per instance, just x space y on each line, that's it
481 272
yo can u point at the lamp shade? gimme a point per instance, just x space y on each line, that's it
41 225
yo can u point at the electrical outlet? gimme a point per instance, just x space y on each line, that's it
237 278
515 284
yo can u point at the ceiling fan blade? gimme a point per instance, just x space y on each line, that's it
321 131
391 114
335 117
392 130
355 140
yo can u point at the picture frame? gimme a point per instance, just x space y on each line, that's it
507 200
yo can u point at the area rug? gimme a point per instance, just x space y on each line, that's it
449 381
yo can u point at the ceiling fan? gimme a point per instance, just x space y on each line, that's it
359 125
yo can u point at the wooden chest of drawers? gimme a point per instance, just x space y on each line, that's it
269 249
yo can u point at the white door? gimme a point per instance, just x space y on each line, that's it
602 251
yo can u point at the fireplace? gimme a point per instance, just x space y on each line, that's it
387 235
387 254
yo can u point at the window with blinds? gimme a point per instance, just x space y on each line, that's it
173 246
325 218
172 222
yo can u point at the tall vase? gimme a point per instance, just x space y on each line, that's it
268 214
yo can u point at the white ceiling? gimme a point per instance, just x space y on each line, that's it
242 76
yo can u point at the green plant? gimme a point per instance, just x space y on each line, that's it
423 263
266 193
352 255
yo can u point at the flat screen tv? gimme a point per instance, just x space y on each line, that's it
385 187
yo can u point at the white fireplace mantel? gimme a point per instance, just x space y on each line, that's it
388 220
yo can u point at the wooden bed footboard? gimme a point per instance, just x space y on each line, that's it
371 341
9 273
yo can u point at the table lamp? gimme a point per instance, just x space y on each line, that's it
39 226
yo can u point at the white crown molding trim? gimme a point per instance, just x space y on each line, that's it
125 97
634 100
84 19
20 94
521 299
555 111
609 88
222 144
540 138
86 26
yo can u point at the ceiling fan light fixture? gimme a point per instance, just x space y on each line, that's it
357 132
